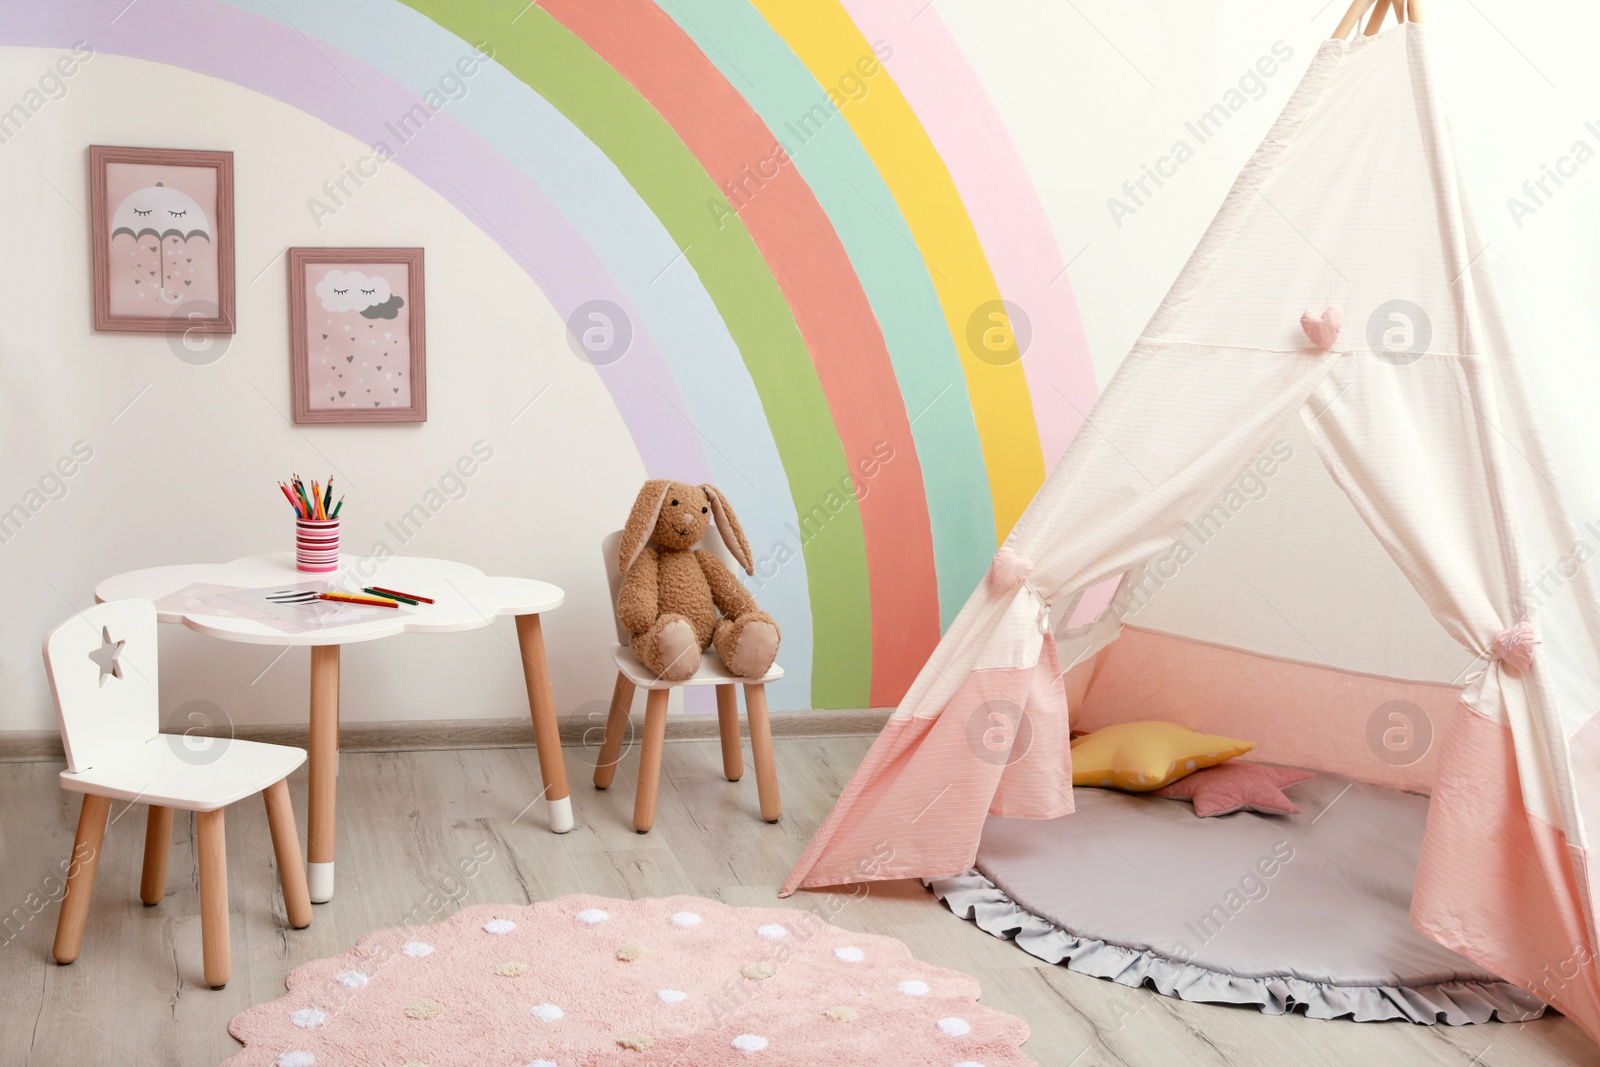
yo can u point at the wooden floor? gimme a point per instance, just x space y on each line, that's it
406 820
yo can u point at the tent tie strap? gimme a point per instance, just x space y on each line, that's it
1514 646
1009 570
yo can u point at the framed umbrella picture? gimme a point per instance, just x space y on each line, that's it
356 339
161 223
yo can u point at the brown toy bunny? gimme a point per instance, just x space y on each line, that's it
671 596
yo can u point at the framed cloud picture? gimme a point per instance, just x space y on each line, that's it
356 338
161 224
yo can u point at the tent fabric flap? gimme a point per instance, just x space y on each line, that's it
1184 421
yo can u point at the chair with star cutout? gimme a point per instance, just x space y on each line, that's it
102 669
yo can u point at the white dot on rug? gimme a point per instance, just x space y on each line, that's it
552 1063
548 1013
772 932
417 949
913 987
296 1059
351 979
499 926
592 916
685 918
850 954
749 1043
308 1018
951 1026
672 996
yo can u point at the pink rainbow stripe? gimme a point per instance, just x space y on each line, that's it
961 121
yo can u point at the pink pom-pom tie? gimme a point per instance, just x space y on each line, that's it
1324 329
1515 646
1009 570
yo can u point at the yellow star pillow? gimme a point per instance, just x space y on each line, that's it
1141 756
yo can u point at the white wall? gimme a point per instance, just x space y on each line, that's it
1092 90
1089 91
185 458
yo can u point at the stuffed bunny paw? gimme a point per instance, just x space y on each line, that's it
748 645
668 648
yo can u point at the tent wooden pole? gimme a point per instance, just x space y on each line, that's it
1351 17
1379 10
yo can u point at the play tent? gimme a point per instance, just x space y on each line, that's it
1357 557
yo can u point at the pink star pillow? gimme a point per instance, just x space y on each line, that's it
1237 786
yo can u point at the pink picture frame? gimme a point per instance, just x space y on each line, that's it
357 337
161 240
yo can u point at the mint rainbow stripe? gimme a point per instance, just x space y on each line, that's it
779 335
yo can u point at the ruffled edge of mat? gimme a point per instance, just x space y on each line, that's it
974 897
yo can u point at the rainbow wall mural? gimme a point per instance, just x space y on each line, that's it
844 302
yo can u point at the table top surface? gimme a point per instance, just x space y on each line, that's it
465 598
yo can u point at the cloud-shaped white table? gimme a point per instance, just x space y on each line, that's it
464 599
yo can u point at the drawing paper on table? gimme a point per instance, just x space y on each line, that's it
193 600
288 607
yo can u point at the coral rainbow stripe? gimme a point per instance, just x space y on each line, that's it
821 33
787 328
835 320
565 71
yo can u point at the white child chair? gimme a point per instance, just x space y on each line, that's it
632 674
102 669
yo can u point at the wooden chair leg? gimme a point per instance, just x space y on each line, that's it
157 847
616 732
286 845
728 727
213 897
755 705
655 737
80 877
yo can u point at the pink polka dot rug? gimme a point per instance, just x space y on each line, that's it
593 982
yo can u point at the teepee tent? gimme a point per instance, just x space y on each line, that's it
1303 537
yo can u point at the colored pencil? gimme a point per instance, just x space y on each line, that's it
314 502
404 596
390 596
343 599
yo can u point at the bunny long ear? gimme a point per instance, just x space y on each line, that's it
641 522
728 526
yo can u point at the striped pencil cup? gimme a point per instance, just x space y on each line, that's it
316 545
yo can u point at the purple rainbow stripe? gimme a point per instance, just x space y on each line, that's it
320 80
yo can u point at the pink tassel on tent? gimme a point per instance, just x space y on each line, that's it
1323 331
1515 646
1009 570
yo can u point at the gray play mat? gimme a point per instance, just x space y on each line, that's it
1285 912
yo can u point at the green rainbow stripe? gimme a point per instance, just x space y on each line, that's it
827 153
554 63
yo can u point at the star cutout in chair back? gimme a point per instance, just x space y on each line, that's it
105 657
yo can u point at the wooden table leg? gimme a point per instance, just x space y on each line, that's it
80 877
324 766
157 847
755 707
616 732
214 948
546 732
728 727
655 736
286 844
